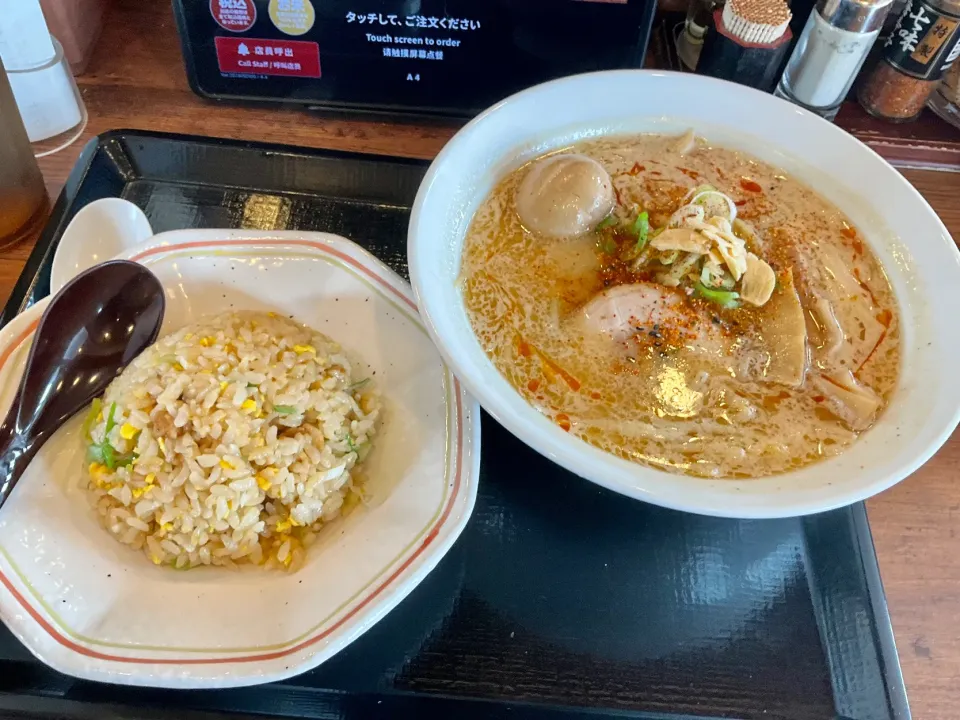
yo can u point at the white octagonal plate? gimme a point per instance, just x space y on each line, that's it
91 607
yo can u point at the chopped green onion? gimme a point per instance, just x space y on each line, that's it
608 246
284 409
110 422
357 385
714 277
90 420
678 270
641 228
670 257
109 459
724 298
723 281
104 452
608 221
352 445
252 385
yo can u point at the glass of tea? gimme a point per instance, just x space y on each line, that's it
23 196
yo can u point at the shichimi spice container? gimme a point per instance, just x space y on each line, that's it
922 46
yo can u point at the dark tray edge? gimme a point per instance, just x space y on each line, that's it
62 212
885 637
333 705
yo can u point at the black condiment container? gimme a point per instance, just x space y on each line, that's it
744 48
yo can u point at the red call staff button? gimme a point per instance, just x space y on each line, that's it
268 57
234 15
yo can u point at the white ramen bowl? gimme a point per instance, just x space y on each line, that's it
915 248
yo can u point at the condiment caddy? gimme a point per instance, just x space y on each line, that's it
825 62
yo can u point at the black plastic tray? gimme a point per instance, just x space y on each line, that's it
561 599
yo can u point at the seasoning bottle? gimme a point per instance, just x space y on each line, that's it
922 46
748 43
945 101
835 41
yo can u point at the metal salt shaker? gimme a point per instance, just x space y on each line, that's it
835 41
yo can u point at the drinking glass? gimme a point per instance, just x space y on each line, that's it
23 196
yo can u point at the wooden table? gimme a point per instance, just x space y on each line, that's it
136 80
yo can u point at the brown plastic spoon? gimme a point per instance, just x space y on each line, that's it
90 331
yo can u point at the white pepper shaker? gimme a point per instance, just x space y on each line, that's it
830 52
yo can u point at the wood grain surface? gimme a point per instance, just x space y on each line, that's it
136 80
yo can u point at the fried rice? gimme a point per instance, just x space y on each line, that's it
230 441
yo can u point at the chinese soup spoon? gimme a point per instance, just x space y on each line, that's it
93 328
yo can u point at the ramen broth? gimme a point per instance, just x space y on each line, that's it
720 319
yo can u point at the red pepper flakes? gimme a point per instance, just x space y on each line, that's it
740 203
885 318
533 385
563 420
595 395
636 169
890 94
819 398
750 185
